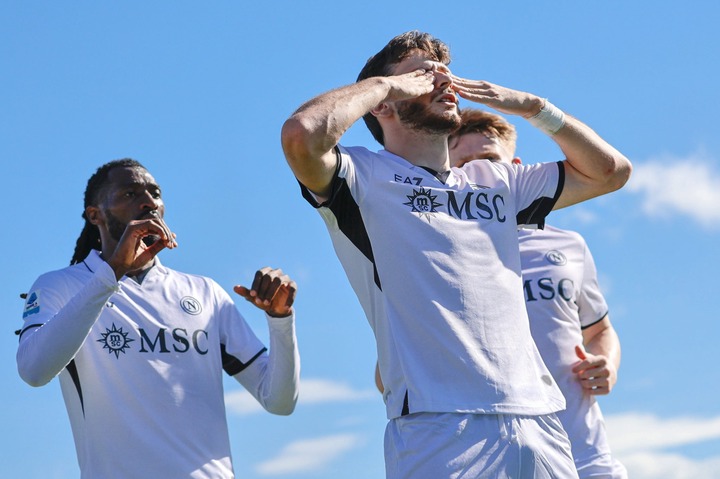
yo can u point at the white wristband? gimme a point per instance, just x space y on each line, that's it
549 120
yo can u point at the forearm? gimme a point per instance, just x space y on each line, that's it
327 117
47 350
593 166
605 343
311 133
590 155
274 379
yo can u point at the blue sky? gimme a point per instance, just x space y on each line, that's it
198 91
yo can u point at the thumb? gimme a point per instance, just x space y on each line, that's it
242 291
580 353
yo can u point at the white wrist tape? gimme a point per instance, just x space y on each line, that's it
549 120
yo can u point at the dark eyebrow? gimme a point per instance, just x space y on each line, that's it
138 184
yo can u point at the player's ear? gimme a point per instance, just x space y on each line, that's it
382 110
93 215
516 160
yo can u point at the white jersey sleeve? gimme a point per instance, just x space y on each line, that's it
273 379
537 188
54 329
591 302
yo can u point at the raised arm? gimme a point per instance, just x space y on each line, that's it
50 340
274 378
312 132
592 166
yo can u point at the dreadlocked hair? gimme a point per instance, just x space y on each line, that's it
89 238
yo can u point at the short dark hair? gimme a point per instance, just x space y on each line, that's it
393 53
89 238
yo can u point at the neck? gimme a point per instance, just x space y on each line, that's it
420 149
108 249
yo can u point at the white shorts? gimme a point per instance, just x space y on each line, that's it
601 467
473 446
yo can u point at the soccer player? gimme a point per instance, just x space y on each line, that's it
565 306
140 348
432 254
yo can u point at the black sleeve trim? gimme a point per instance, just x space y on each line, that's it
72 370
334 186
348 216
541 207
595 322
28 327
232 365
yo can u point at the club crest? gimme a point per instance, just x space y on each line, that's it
556 257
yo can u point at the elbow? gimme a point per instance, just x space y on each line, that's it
284 411
30 372
283 408
620 174
282 402
295 139
35 382
32 378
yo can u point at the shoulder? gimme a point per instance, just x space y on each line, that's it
569 235
198 279
60 276
356 152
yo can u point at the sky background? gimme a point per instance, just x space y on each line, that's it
198 92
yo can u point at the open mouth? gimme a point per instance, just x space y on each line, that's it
448 98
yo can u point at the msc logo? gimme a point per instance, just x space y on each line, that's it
423 201
547 289
115 341
191 305
177 340
473 205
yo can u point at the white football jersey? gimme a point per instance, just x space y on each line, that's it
563 297
436 268
144 392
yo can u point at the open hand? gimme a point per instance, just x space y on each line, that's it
504 100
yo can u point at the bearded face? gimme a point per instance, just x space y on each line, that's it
116 227
420 117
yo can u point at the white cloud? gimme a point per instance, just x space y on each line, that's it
312 391
640 442
686 186
322 390
241 402
648 465
308 455
644 432
579 214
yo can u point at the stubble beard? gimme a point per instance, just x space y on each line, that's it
116 228
418 117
